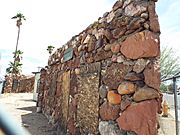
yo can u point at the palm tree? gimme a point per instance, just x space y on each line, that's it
15 67
50 49
19 18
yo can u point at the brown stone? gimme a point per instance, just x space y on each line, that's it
101 55
108 111
90 59
84 35
72 126
145 15
146 26
73 83
107 33
113 97
115 48
86 40
107 47
152 76
72 107
110 17
126 88
145 93
118 32
139 65
136 23
120 59
121 22
140 118
142 44
134 10
153 18
91 44
103 91
117 5
125 102
115 75
76 51
114 58
99 43
118 12
132 76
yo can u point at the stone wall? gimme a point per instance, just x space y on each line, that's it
106 79
19 83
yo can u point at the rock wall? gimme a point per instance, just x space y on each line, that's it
18 83
106 79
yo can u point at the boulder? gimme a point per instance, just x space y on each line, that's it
110 128
113 97
145 93
139 65
152 76
140 118
141 45
127 88
108 111
153 18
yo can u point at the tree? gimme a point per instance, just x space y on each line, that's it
163 87
15 66
50 48
169 63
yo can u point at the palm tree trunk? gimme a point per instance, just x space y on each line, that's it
16 46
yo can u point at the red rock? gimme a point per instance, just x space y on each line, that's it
126 88
143 44
113 98
145 93
140 118
153 18
152 76
108 111
114 75
115 48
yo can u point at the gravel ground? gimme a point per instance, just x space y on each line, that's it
23 110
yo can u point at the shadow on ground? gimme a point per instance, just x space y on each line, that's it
36 123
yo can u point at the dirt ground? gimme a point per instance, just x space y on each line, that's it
23 110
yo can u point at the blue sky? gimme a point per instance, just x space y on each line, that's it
55 22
